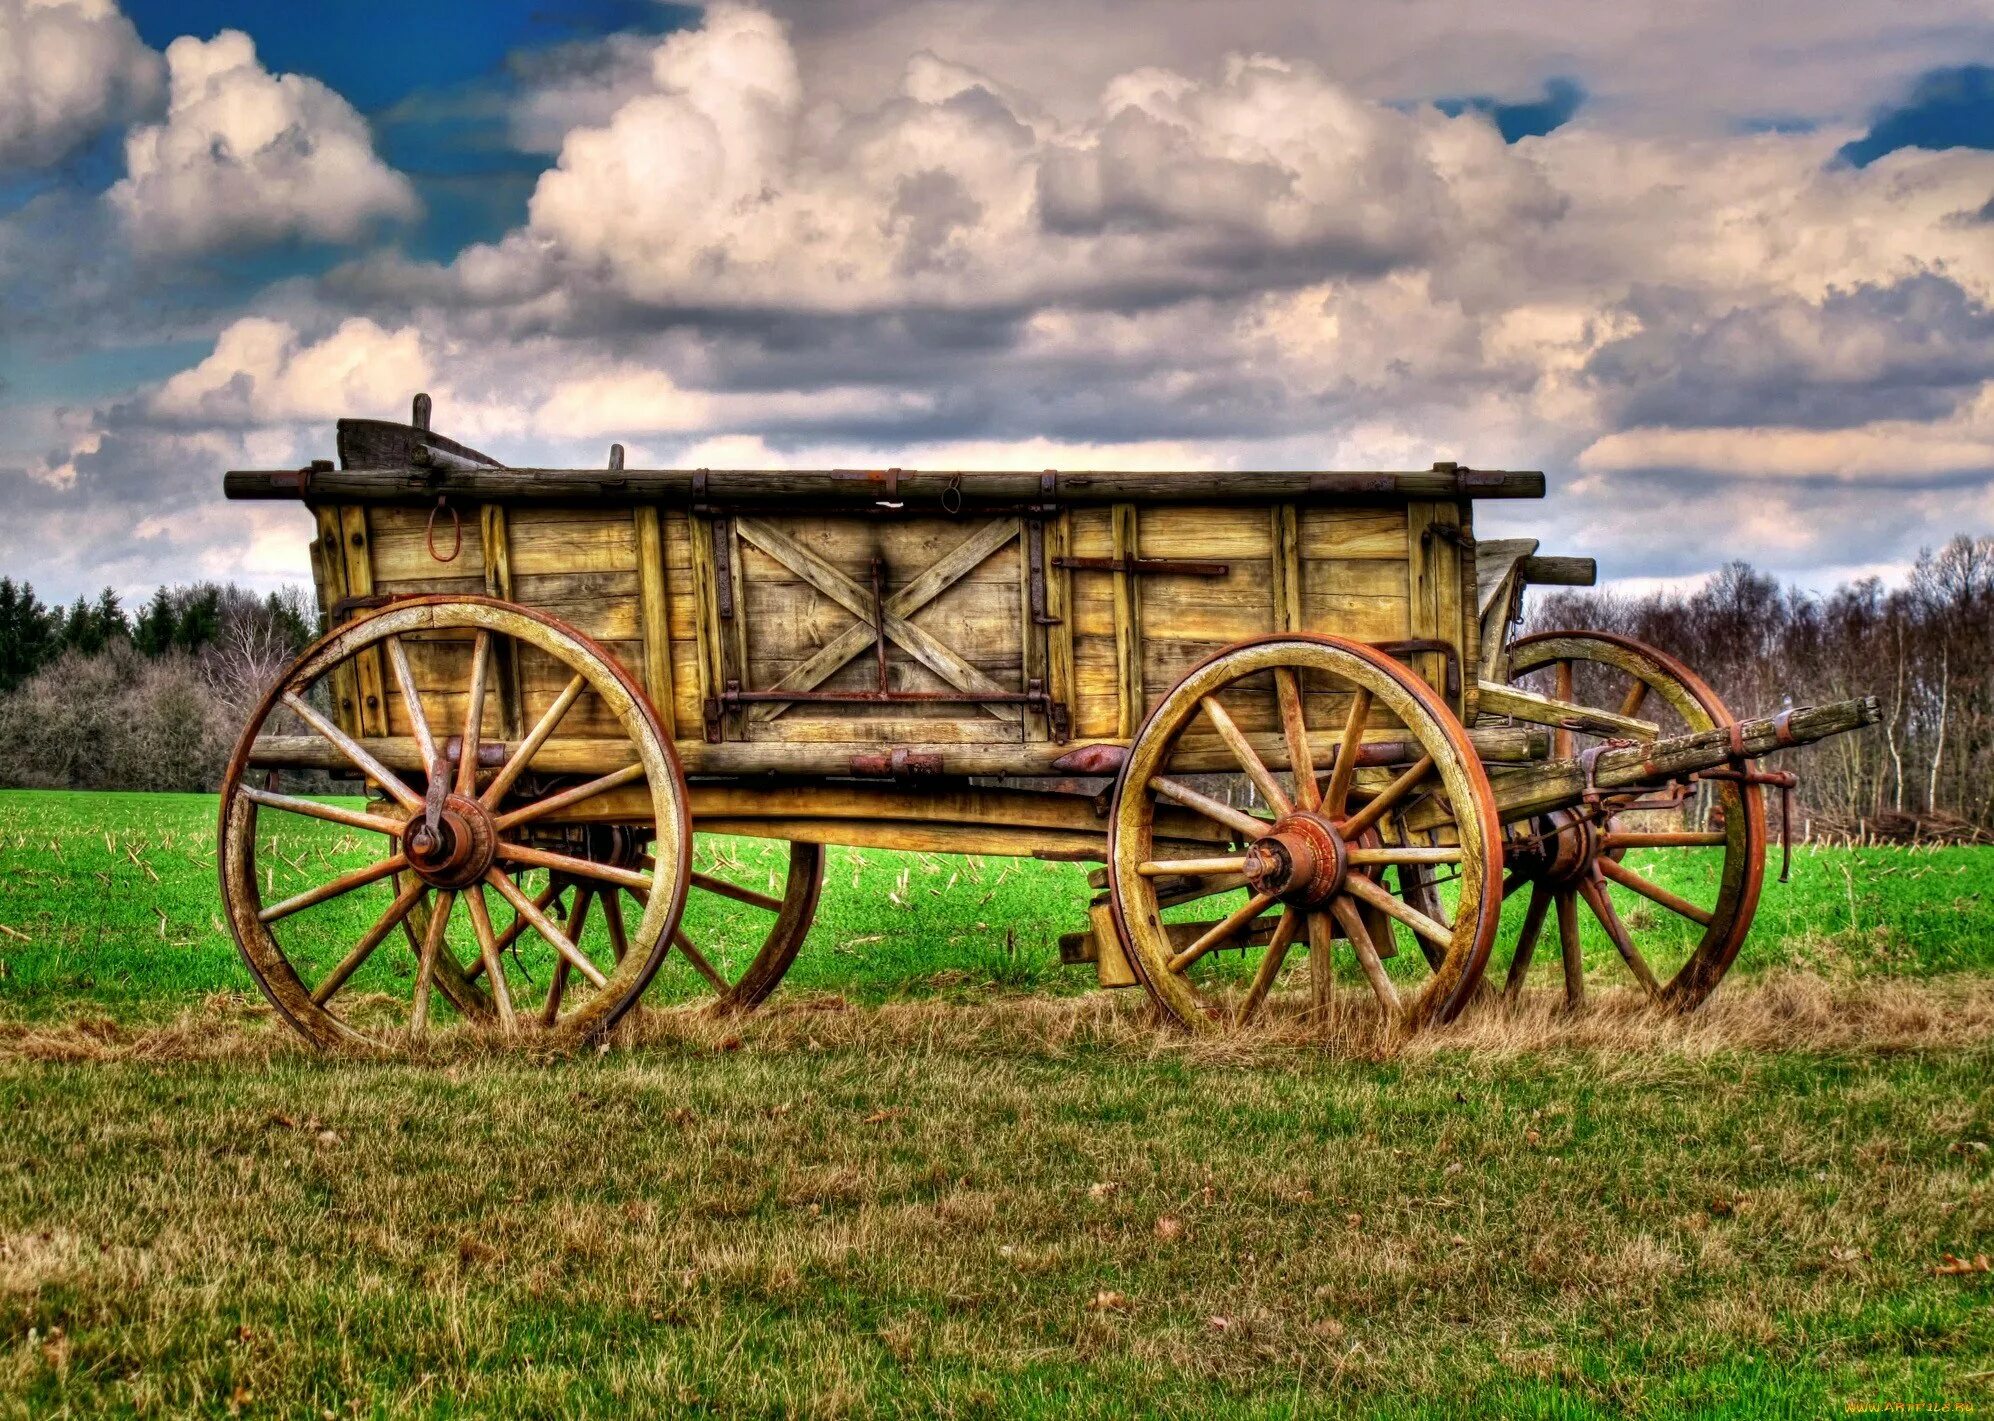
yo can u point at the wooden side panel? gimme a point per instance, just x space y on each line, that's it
329 564
1353 572
369 665
1091 611
1187 619
654 615
1434 572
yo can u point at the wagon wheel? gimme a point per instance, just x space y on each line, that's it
456 840
1677 945
737 940
1310 874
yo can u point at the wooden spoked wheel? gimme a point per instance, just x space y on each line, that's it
450 841
741 932
1678 913
1383 775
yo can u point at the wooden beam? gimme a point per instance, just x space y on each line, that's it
655 615
1514 701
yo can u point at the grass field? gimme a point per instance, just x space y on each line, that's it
941 1176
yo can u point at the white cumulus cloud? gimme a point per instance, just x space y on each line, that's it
263 372
246 157
68 70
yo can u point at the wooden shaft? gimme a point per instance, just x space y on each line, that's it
1391 794
1165 868
1404 854
1294 730
569 797
916 490
1571 950
1382 899
735 891
351 753
1497 699
412 702
1237 819
1594 892
1526 940
1263 779
554 937
523 753
488 954
1270 963
1352 923
362 950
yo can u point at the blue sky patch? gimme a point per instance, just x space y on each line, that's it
1946 108
1529 119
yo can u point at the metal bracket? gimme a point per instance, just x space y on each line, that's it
1413 646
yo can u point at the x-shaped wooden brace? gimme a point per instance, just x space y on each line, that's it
895 611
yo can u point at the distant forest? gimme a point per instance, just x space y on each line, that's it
95 697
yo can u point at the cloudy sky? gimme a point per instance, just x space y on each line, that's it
1725 272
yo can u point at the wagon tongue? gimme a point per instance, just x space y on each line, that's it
1721 753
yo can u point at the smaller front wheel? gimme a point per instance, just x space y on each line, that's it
1379 774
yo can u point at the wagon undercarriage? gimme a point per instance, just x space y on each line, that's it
1285 713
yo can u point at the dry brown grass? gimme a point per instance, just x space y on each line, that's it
1775 1012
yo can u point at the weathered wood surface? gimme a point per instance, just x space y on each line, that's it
572 756
912 488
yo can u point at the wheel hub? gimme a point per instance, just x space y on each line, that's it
1303 860
459 850
1570 842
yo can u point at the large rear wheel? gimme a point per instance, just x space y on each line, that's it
453 837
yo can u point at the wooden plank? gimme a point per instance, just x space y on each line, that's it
655 616
557 540
857 634
734 629
1031 634
401 545
1285 567
496 555
1124 544
331 567
1058 602
706 620
932 653
369 667
1520 704
1373 532
920 489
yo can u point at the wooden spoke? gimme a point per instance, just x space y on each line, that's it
1223 929
1654 892
568 797
1270 964
1561 738
1190 890
1248 758
1404 853
612 917
1669 839
1352 923
519 924
550 1011
1526 941
699 962
1572 950
555 938
1594 892
357 757
1238 820
488 954
1165 868
1637 694
345 883
575 867
516 765
1391 794
425 743
1322 964
362 950
1510 883
1385 901
735 891
474 714
1345 768
331 813
1294 729
432 944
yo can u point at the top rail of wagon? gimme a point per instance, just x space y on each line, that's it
949 490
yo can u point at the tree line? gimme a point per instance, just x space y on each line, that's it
1925 649
94 697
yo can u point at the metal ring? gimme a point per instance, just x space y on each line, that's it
456 529
952 495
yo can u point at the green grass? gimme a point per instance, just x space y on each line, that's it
1016 1225
937 1179
110 905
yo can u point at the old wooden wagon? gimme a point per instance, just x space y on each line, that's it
1283 711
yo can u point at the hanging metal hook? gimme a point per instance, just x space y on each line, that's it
456 530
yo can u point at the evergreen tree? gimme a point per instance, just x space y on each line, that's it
157 623
29 633
200 620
